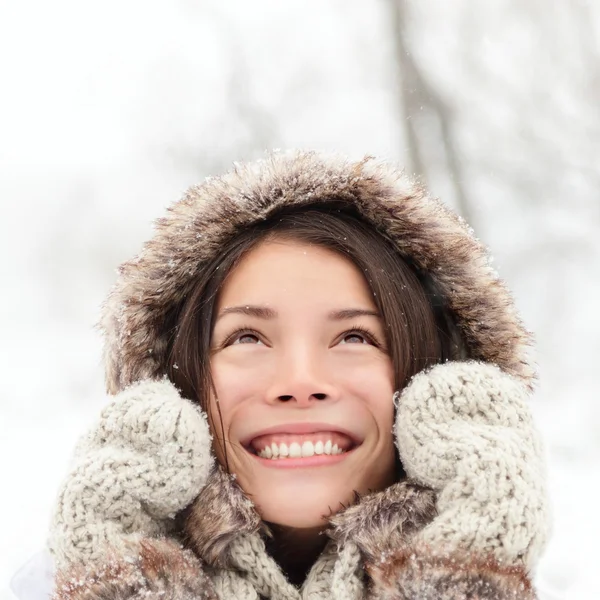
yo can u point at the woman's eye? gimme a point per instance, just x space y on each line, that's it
246 338
355 338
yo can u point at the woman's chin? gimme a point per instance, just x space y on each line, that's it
296 519
301 509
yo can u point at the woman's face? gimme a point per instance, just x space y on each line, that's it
303 381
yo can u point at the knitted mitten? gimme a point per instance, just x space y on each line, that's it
465 430
146 459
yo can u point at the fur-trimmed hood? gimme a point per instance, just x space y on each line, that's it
438 243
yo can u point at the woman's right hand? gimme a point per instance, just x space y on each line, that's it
146 459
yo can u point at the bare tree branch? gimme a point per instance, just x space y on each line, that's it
418 97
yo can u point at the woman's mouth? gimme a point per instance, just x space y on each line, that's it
309 449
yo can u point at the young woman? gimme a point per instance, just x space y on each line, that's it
320 392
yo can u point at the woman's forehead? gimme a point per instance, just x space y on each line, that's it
277 274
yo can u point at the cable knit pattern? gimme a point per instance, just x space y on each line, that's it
248 552
230 584
318 581
347 581
146 459
465 429
336 575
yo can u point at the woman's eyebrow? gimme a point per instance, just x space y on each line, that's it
261 312
264 312
352 313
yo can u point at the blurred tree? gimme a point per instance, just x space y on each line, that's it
420 103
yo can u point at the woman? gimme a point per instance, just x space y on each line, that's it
320 391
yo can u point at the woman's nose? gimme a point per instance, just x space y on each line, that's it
304 379
299 400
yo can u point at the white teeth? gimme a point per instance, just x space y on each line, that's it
308 449
295 450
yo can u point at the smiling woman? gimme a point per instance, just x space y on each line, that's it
320 392
314 310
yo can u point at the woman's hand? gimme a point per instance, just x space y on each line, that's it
146 459
465 429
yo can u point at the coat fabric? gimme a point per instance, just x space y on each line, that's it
146 511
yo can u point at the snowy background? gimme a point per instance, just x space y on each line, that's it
108 111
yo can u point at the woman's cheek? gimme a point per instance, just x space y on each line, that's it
238 374
365 371
372 382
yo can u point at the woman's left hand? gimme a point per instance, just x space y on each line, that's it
465 429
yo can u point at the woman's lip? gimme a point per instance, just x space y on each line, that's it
301 428
321 460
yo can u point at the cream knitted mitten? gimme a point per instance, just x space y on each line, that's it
465 429
146 459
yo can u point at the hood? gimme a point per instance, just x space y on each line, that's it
452 262
438 242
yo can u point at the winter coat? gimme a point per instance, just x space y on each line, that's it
147 512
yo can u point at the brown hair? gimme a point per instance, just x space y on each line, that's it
417 324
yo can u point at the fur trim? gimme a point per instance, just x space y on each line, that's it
377 523
411 574
153 569
152 285
384 521
220 514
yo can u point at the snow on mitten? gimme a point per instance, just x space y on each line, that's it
465 429
146 459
